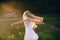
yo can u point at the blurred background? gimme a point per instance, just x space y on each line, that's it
12 10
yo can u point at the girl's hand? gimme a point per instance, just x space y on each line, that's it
11 24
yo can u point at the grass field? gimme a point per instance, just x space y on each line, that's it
47 31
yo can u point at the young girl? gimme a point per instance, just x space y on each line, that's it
30 22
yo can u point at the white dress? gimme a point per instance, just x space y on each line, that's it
29 32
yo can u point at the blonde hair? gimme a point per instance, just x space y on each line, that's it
28 14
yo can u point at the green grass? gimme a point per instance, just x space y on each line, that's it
48 31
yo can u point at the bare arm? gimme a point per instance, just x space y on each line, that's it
15 23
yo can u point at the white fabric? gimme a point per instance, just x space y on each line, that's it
29 32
